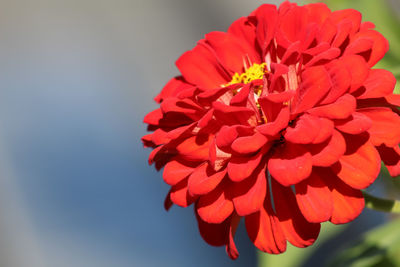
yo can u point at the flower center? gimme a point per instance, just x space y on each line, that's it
256 71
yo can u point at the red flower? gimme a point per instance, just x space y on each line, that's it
282 121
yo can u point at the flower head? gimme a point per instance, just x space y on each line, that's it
280 120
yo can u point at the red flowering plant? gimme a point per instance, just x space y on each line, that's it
281 120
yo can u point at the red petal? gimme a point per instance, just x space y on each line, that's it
200 67
314 199
240 168
359 46
175 171
385 127
204 179
357 123
280 97
292 25
379 48
340 78
290 164
351 15
228 134
267 18
214 234
391 157
232 115
264 229
379 83
249 195
249 144
327 55
360 165
329 152
274 127
309 129
244 29
167 202
357 67
342 34
315 84
217 158
298 231
172 88
348 203
317 12
231 51
180 196
185 106
153 117
214 207
341 109
393 99
231 249
325 131
194 148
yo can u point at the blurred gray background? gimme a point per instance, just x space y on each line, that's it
77 78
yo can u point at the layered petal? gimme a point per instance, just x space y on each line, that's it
290 164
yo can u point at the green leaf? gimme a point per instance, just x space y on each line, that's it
378 247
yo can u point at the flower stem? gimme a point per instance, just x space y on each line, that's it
381 204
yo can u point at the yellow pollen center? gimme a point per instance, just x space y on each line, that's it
256 71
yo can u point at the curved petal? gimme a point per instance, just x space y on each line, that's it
195 148
343 107
231 51
274 127
360 165
215 234
309 129
240 168
175 171
204 179
249 195
314 199
200 67
348 203
172 88
379 48
244 28
267 18
290 164
231 249
355 124
249 144
179 194
214 207
264 229
391 157
379 83
385 127
298 231
315 84
329 152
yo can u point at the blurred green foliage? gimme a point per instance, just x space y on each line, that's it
295 257
381 246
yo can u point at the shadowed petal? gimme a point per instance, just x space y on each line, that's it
314 199
290 164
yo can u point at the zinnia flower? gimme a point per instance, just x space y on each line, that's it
280 120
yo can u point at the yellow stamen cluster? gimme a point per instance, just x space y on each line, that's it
256 71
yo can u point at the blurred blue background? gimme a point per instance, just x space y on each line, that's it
77 78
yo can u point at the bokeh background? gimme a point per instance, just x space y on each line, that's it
76 79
